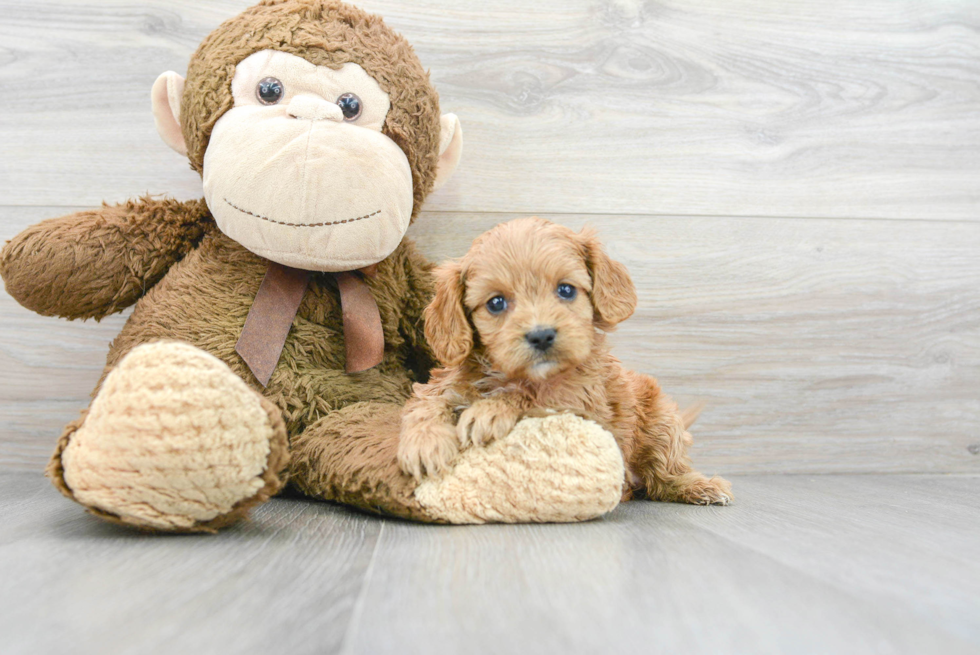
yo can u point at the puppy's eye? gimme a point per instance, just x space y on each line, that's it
350 105
567 292
269 91
496 304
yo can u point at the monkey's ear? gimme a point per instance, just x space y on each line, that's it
166 94
450 149
446 328
613 293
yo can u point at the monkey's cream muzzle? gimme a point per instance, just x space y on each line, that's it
313 194
296 182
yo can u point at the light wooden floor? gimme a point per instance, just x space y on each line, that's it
795 187
801 564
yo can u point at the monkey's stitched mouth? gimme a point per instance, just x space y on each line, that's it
326 224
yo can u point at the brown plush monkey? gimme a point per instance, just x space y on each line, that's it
318 136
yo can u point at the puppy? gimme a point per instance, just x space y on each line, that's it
519 324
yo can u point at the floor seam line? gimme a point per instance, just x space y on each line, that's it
358 610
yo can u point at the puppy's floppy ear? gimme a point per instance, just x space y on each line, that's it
446 327
613 293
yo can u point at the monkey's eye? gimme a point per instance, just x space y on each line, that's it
351 105
567 292
269 91
497 304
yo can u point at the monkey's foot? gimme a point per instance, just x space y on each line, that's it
555 469
174 441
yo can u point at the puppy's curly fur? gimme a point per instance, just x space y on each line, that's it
519 324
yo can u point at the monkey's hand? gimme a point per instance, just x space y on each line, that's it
486 420
94 263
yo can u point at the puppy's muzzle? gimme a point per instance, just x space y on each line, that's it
541 338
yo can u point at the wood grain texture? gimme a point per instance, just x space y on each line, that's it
829 565
816 345
832 564
868 109
285 582
893 541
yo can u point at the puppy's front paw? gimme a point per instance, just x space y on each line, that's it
427 448
485 421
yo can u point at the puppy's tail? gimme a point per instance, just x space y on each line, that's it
690 414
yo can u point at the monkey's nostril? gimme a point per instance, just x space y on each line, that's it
541 339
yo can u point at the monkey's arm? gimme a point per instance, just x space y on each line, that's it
95 263
418 271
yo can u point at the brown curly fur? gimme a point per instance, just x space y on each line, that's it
191 283
494 377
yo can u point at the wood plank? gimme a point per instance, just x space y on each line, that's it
863 109
818 346
284 582
780 571
895 541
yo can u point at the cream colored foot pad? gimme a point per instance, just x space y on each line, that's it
173 438
555 469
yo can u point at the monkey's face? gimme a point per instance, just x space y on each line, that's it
299 172
316 130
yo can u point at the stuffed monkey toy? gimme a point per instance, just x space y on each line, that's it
277 327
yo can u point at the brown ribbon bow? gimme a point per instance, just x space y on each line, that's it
275 308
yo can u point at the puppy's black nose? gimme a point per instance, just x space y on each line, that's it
541 338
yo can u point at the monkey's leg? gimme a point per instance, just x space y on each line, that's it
555 469
351 456
173 441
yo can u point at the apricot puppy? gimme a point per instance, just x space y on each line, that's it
519 324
